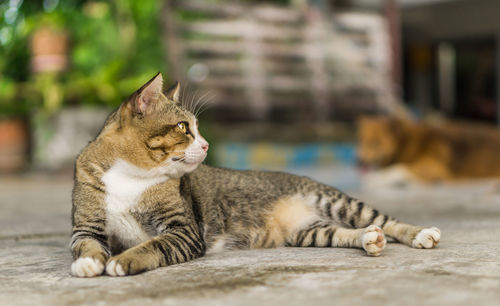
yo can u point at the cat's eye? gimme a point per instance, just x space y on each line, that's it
182 126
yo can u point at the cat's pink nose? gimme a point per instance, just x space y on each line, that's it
205 146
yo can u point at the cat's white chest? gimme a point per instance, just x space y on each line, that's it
125 184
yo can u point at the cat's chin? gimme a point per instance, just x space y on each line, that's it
182 169
190 167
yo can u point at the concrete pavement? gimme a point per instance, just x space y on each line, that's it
464 269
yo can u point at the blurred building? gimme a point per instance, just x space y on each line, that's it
450 55
339 58
308 60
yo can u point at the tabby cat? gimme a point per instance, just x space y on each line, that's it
143 200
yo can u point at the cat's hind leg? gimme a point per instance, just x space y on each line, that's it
353 213
414 236
324 234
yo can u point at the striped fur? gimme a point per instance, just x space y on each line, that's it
142 199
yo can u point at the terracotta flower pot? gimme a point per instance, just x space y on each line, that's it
13 145
49 48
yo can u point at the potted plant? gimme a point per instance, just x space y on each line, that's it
13 129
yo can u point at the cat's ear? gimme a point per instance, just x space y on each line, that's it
173 92
144 100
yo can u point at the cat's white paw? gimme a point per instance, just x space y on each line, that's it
114 269
87 267
373 240
427 238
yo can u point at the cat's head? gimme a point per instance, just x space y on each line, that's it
153 131
378 140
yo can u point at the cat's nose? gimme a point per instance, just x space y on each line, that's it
204 146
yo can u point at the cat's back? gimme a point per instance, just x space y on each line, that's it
210 181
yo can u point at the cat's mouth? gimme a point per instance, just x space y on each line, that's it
184 160
179 159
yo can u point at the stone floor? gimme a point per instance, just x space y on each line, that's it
463 270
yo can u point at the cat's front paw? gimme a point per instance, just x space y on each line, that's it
129 263
87 267
373 240
114 268
427 238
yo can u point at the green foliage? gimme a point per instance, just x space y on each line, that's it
115 46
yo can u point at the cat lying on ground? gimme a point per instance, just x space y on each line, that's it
142 199
409 151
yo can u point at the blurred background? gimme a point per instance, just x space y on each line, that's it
281 83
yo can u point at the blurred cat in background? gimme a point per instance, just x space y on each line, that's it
406 151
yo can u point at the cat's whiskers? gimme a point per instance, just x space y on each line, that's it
200 99
195 108
205 105
194 99
202 102
190 104
190 98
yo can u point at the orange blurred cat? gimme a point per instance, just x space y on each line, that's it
429 152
